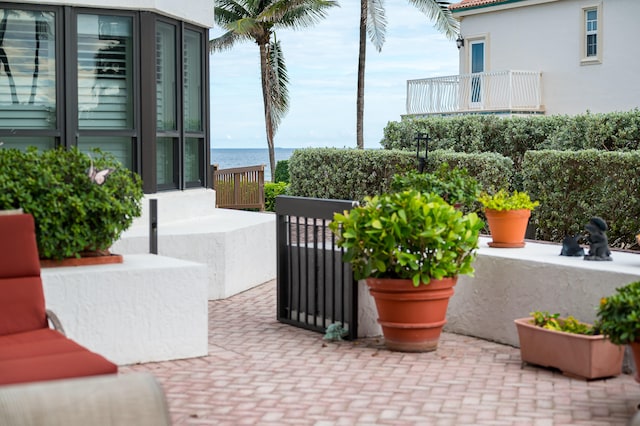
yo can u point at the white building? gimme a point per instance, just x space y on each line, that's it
538 56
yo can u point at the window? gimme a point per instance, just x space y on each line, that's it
28 75
591 38
180 158
73 76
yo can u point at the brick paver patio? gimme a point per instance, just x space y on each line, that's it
262 372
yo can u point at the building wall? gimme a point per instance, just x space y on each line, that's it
547 37
197 12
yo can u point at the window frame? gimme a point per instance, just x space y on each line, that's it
585 59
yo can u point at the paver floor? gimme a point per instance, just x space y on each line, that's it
263 372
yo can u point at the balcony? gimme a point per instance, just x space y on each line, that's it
499 92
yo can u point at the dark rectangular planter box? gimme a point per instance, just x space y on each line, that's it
587 357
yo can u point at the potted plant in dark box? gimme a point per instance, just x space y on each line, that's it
410 247
619 319
81 203
508 215
573 347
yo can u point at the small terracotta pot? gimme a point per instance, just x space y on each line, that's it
507 227
411 317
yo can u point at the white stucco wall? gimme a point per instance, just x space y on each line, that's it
148 308
198 12
546 37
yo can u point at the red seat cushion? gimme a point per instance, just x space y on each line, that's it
37 346
22 306
53 367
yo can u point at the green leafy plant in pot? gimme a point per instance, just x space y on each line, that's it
81 203
508 214
406 244
619 319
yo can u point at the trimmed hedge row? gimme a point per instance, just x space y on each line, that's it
574 186
514 136
351 174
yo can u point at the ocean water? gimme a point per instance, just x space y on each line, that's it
227 158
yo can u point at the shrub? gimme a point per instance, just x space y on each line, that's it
72 213
271 191
454 185
619 315
281 173
574 186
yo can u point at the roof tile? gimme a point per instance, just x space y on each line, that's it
472 3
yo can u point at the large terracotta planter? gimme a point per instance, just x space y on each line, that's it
507 227
577 355
411 317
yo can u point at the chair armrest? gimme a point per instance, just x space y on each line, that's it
55 321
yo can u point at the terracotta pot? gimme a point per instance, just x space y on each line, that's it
104 259
575 355
507 227
635 349
411 317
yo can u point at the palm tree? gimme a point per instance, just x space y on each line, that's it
374 23
257 20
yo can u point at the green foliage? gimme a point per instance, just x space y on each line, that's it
573 186
568 325
345 174
281 173
454 185
619 315
352 174
271 191
504 200
72 213
408 235
514 136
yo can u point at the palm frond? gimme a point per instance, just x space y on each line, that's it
439 13
376 23
226 41
278 83
226 11
297 14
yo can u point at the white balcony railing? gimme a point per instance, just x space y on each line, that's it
479 92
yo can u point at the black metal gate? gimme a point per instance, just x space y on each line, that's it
315 288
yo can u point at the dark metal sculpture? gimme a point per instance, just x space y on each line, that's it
571 246
597 239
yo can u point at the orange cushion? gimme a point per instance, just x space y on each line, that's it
54 367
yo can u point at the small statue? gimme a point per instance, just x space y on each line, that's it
571 247
598 242
335 332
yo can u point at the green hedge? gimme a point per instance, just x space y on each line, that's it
513 136
572 187
350 174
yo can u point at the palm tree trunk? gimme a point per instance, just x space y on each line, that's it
361 66
264 69
5 60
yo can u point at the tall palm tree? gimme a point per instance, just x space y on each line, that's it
257 20
374 23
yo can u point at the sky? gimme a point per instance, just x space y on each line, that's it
322 63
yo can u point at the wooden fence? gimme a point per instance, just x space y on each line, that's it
239 188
